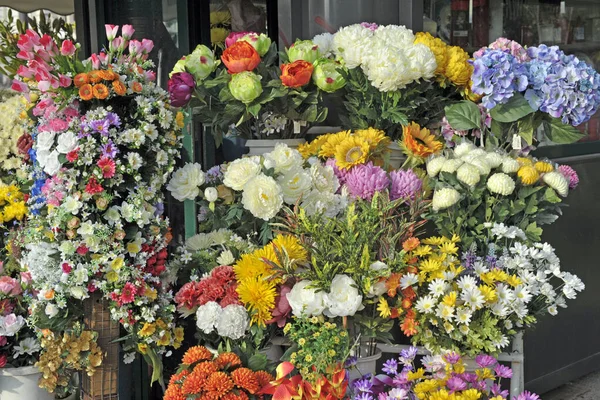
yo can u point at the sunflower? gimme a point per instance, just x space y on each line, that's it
258 295
419 141
375 137
292 246
329 147
352 151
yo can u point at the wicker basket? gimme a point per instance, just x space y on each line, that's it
104 385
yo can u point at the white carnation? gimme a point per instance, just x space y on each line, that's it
557 181
207 316
343 299
463 149
294 184
186 181
501 183
510 165
305 301
434 166
233 322
351 42
284 158
444 198
451 165
468 174
262 197
240 171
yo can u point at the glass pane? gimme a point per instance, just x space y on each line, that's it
472 24
228 16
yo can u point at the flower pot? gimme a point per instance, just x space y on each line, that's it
365 365
273 353
22 383
259 147
397 157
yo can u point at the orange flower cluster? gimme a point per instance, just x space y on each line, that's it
204 376
97 84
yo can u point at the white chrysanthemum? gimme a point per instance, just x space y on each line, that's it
501 183
207 316
387 68
451 165
444 198
494 159
395 35
262 197
305 301
233 322
324 179
468 174
351 42
226 258
325 43
422 61
463 149
481 164
343 299
294 184
326 203
510 165
240 171
284 158
557 181
434 166
199 242
473 154
186 181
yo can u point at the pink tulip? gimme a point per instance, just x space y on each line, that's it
64 81
135 46
127 31
115 44
95 61
19 86
111 31
67 48
147 46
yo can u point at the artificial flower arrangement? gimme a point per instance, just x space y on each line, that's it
12 128
104 143
475 299
395 77
524 89
441 377
249 94
475 187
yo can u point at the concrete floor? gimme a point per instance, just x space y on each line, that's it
586 388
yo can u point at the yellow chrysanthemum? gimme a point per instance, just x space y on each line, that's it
450 299
258 295
422 251
434 240
528 175
352 151
250 266
458 69
375 137
418 374
218 35
543 167
292 246
384 308
329 147
448 248
489 294
437 47
419 141
471 394
524 161
220 17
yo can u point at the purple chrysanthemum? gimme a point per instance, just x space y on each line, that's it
113 119
502 371
484 360
497 390
405 184
455 384
527 395
214 174
341 174
363 181
570 174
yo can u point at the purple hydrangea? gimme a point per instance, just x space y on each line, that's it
363 181
508 46
497 75
405 184
214 175
570 174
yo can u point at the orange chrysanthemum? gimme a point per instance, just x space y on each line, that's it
195 354
81 79
119 88
178 377
263 378
409 327
205 368
86 92
194 383
95 76
174 392
406 304
411 243
419 141
100 91
244 378
218 384
409 293
136 87
225 360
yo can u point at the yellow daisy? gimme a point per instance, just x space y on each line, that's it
329 147
375 137
258 295
292 246
384 308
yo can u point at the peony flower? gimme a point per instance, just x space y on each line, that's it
262 197
351 43
363 181
239 57
434 166
296 74
200 63
234 37
240 171
405 184
305 50
323 178
305 301
294 184
444 198
185 182
245 86
557 181
232 322
211 194
327 77
11 324
501 183
343 298
260 42
284 158
207 316
468 174
181 87
570 174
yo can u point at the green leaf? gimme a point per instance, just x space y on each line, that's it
254 109
534 232
514 109
258 362
463 116
550 196
561 133
526 128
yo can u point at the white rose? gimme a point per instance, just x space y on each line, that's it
44 141
285 159
52 164
323 178
262 197
233 322
211 194
51 310
185 183
304 301
67 141
294 184
240 171
343 299
207 316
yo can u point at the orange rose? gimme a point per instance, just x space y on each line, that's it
85 92
81 79
119 88
136 87
239 57
296 74
100 91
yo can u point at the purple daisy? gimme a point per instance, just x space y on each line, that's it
100 125
456 384
363 385
390 367
363 181
452 357
113 119
484 360
109 149
405 184
497 390
502 371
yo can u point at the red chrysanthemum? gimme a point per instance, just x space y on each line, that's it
73 155
195 354
218 384
108 167
225 360
245 379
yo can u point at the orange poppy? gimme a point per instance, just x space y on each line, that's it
86 92
119 88
106 75
136 87
100 91
81 79
95 76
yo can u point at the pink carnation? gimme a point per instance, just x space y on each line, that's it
405 184
570 174
363 181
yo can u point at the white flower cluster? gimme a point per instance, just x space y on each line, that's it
387 55
230 321
11 128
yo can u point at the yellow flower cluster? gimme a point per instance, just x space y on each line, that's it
158 332
258 273
452 61
11 128
349 148
434 388
530 170
62 354
12 204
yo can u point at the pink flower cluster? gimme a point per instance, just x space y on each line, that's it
10 286
508 46
363 181
138 51
220 286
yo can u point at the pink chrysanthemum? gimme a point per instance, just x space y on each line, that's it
570 174
341 174
364 180
405 184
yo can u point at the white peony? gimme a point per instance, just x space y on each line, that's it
305 301
262 197
510 165
557 181
207 316
325 43
444 198
351 43
67 141
294 184
501 183
44 141
233 322
451 165
434 166
463 149
240 171
211 194
323 178
468 174
186 181
343 299
284 158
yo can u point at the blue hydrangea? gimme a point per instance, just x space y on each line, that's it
562 85
497 75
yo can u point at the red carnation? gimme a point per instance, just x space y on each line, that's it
93 187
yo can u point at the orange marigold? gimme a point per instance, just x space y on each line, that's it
218 384
194 383
100 91
225 360
244 378
81 79
420 141
411 243
95 76
195 354
392 283
263 378
119 88
86 92
409 326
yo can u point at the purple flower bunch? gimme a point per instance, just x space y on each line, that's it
364 180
